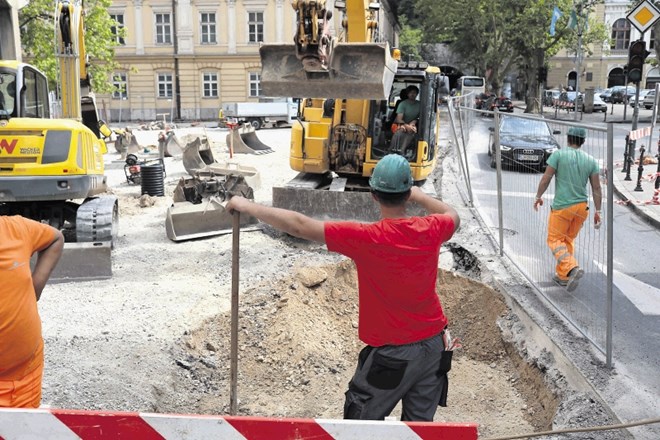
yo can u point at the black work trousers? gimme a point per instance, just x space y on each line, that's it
392 373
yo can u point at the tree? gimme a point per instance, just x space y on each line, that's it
493 36
36 21
410 41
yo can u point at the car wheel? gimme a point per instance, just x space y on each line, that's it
493 164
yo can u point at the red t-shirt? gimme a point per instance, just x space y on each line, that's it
397 266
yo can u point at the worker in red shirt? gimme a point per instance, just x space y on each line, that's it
400 316
21 343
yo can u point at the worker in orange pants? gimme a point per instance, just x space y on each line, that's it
563 228
572 169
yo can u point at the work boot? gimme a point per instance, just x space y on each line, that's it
574 278
559 281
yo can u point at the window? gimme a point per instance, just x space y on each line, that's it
35 94
163 29
652 43
118 28
255 84
119 81
255 27
210 85
621 34
165 85
207 23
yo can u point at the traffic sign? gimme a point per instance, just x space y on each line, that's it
644 16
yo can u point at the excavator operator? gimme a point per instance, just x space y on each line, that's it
407 115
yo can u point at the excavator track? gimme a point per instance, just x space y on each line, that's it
97 220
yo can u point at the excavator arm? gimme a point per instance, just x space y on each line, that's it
78 102
318 65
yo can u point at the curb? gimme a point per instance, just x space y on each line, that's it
637 210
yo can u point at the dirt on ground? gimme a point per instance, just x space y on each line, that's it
156 337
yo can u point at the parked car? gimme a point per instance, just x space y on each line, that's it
501 103
649 100
632 100
524 143
549 96
621 94
605 95
599 105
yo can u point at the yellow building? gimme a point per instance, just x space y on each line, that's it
184 58
604 67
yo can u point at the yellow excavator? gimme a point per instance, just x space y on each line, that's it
51 170
351 86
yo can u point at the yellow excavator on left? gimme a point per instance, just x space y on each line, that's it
51 169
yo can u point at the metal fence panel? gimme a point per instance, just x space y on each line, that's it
503 191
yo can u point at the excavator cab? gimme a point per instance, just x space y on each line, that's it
23 91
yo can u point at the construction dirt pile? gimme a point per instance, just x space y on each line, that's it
155 337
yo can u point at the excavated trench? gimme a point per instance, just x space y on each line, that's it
298 346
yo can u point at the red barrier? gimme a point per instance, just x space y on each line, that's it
99 425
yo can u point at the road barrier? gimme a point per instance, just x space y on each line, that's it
57 424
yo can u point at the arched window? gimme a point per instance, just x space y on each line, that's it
621 34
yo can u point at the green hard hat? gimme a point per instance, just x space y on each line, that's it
392 175
577 132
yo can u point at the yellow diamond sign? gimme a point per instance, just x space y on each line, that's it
644 16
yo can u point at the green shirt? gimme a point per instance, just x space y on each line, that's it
410 110
573 169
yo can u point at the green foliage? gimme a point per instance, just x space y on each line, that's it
494 36
410 41
37 38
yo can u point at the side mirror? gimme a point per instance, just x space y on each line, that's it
491 129
556 131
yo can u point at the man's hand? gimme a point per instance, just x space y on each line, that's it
597 219
238 203
538 202
415 194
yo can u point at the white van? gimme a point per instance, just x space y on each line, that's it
469 84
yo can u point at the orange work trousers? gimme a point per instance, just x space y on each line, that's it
563 227
26 391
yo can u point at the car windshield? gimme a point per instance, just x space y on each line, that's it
524 127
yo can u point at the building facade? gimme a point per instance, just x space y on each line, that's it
181 59
604 68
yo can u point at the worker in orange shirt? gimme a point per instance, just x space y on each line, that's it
21 343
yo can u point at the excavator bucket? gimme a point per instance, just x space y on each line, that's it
198 160
245 141
356 71
126 143
168 145
198 208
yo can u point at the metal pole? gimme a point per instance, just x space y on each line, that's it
579 63
467 167
452 123
233 373
498 161
610 243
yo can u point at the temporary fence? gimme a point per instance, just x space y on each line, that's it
501 159
98 425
